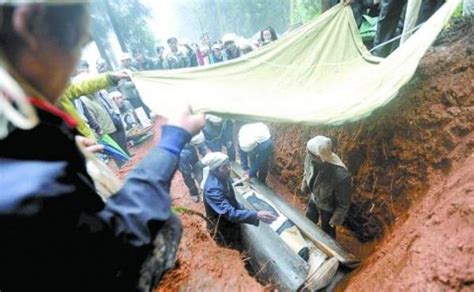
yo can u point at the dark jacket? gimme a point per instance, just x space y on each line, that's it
218 136
330 188
221 205
259 157
57 233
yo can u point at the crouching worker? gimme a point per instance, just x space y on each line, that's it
57 233
327 179
255 144
190 166
222 209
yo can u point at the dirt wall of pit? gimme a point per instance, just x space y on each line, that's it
395 152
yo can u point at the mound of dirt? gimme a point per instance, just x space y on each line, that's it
433 250
395 152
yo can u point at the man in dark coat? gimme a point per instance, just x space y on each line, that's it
327 179
57 232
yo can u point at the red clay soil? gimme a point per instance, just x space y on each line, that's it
433 250
393 153
202 265
401 154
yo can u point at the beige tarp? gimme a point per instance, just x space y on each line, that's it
318 74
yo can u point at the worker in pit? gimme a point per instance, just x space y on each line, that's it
189 165
218 135
222 208
327 179
255 144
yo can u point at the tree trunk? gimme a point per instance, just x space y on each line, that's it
117 31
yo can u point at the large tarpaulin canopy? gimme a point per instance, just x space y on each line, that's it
320 73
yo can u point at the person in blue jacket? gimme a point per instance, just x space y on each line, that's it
57 232
224 212
255 143
218 134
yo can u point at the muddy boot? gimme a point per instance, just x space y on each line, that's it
163 256
195 199
195 195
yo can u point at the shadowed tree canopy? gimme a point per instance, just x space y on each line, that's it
128 19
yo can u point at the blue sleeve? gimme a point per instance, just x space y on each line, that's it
243 159
216 199
139 209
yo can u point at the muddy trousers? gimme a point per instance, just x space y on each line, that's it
192 173
163 256
313 213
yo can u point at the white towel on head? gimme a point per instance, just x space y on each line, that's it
251 135
321 146
213 118
214 159
198 139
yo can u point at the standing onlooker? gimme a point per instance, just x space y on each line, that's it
175 58
204 52
267 35
107 125
216 55
230 48
160 52
141 63
126 62
101 66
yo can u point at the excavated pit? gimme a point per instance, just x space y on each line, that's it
409 162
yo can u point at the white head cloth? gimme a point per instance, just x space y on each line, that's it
321 146
198 139
213 118
251 135
215 159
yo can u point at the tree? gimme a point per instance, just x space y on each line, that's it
129 21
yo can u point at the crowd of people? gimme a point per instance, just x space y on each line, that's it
177 54
57 232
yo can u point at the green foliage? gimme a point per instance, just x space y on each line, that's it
304 10
128 19
243 17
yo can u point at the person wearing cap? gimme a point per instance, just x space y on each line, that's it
216 54
218 134
123 105
256 145
175 58
58 234
327 179
101 66
126 62
190 167
224 212
190 52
